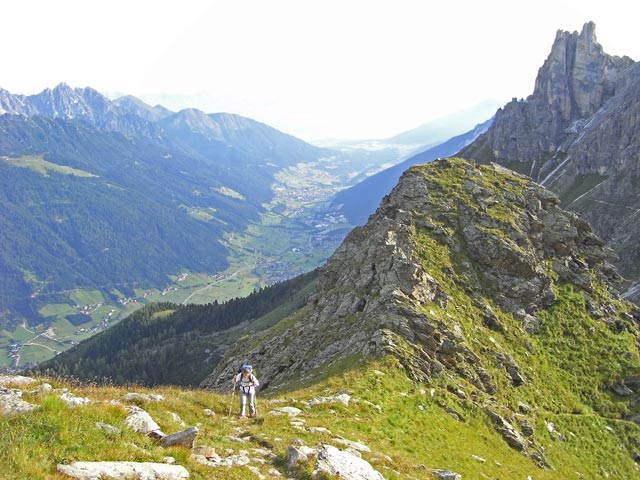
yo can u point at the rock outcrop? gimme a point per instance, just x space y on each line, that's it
496 234
345 465
577 134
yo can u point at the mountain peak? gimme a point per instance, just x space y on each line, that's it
589 32
577 76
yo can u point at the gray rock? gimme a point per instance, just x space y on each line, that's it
145 397
176 418
11 403
621 390
527 428
319 430
72 401
334 461
445 475
108 429
41 389
207 452
140 421
360 447
184 438
293 455
513 372
123 470
290 411
508 432
524 408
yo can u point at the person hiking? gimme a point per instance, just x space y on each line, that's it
248 383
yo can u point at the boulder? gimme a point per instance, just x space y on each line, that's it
446 475
294 455
146 397
510 435
184 438
72 401
11 402
40 389
345 465
123 470
140 421
291 411
360 447
621 390
16 380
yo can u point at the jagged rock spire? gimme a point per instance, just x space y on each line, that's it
577 76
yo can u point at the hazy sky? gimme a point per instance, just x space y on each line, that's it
315 69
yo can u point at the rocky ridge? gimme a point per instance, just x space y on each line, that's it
577 134
510 240
457 254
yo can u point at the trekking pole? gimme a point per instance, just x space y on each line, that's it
255 406
233 392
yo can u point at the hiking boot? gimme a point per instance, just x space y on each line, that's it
252 415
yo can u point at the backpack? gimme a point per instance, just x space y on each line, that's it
244 367
246 389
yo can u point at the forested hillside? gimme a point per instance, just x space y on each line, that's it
164 343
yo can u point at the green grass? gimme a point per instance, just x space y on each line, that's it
412 430
39 165
57 310
86 297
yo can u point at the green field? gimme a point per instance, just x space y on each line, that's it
40 165
86 297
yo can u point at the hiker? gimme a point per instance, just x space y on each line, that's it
248 383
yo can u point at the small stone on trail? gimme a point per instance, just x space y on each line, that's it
108 429
446 475
291 411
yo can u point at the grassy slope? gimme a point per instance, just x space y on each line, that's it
412 429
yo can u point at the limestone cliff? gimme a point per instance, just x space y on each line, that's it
578 134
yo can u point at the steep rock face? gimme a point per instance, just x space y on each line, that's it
577 134
575 81
449 233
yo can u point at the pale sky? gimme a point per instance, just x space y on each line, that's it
315 69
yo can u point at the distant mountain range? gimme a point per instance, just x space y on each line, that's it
117 195
578 135
361 200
